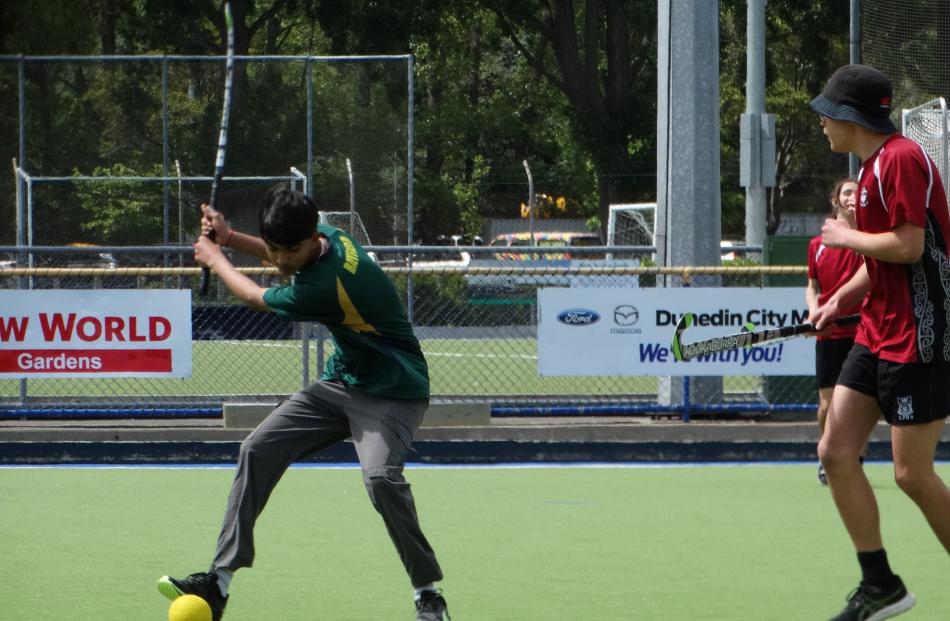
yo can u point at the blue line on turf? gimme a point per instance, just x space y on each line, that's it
420 466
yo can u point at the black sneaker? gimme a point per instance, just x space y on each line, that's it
871 603
431 607
204 585
822 477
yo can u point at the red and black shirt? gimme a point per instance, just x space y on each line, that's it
906 314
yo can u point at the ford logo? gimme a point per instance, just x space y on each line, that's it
578 317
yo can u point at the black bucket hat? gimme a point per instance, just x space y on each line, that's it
859 94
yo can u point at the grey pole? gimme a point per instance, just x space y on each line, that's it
309 189
21 283
854 58
395 198
24 222
21 105
410 150
20 209
181 215
166 195
688 203
527 170
349 174
410 173
757 131
688 210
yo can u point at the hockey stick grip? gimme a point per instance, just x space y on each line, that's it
686 351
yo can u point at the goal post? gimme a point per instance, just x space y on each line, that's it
348 221
927 124
631 224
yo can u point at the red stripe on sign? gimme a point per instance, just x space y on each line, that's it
68 361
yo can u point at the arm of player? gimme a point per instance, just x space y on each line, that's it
847 296
209 254
904 244
212 219
812 292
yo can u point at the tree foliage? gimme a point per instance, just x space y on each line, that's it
601 56
567 85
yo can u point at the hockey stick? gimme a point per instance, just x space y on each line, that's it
222 136
686 351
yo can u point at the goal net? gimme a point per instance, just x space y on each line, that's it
927 125
631 224
348 221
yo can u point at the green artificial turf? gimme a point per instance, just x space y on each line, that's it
661 543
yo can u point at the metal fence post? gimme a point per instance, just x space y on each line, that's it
21 105
166 192
410 171
686 403
349 174
305 352
309 72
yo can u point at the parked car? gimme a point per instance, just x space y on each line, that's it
544 239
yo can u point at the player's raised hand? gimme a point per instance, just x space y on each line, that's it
206 251
835 233
213 220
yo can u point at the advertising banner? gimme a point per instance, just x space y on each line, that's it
95 333
628 331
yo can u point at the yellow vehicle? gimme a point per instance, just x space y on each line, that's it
544 239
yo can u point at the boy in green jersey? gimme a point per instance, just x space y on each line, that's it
374 389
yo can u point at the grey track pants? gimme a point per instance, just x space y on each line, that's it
312 419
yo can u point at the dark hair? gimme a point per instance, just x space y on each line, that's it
287 217
836 191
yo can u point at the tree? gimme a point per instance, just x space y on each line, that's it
480 111
601 54
120 210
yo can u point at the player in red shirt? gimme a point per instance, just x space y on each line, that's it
828 270
899 365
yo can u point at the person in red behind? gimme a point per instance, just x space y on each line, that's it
828 270
900 363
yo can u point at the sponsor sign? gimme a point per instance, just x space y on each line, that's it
628 331
95 333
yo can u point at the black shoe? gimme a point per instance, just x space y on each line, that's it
871 603
431 607
204 585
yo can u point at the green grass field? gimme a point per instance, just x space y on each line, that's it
756 542
457 367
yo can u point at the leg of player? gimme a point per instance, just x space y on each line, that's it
824 403
881 594
914 448
300 425
382 434
852 417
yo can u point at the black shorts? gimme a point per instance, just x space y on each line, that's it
910 393
830 355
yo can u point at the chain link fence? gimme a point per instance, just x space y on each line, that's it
475 315
110 150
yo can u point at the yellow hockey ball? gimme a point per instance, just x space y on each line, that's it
189 608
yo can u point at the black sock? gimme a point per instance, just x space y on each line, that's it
875 568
